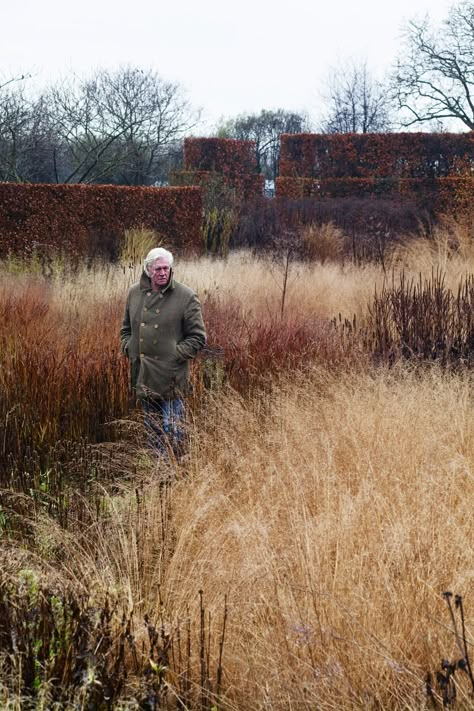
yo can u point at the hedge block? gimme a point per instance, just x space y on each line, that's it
390 155
220 155
85 219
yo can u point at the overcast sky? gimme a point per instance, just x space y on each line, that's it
231 57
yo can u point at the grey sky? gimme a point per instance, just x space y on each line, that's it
231 57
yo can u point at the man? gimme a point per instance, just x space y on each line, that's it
162 331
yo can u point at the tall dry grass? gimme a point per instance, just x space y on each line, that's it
333 527
448 248
322 290
61 375
328 510
332 517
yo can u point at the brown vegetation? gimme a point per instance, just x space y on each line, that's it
89 220
298 556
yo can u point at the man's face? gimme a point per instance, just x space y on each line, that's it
159 272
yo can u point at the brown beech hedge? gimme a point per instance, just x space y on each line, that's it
232 162
434 169
245 185
91 219
220 155
393 155
433 194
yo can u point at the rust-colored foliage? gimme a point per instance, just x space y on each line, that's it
220 155
371 155
255 349
62 375
91 219
434 169
245 185
233 161
437 195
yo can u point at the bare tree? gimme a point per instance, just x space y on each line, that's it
15 117
4 83
119 126
265 129
25 135
357 103
151 116
434 78
116 126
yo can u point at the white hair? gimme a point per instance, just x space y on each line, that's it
157 253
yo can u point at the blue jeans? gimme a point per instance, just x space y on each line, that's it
164 424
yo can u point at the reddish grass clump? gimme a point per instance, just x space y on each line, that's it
62 377
256 348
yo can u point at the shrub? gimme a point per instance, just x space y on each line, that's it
218 226
257 348
370 226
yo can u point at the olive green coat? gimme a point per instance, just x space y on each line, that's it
161 332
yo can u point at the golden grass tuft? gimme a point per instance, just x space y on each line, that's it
323 243
449 248
136 244
321 290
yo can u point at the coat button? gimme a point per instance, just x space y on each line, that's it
141 340
155 326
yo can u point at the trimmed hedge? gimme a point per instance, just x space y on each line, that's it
401 155
223 163
434 169
436 195
296 188
246 186
220 155
91 219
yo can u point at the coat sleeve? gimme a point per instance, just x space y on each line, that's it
194 333
126 330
